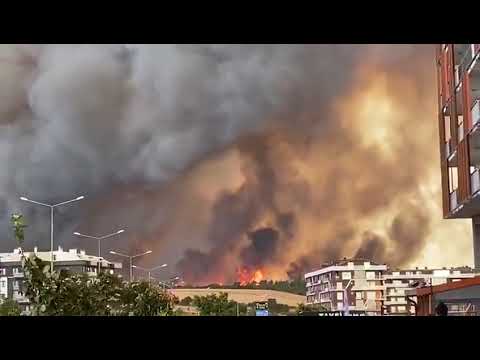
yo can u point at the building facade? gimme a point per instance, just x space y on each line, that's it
347 285
11 275
458 74
399 282
462 298
374 289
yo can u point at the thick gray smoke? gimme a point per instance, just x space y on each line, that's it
124 124
81 119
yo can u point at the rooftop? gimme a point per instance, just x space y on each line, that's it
60 256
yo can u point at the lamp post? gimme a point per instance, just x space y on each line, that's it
131 257
149 271
164 283
51 219
99 238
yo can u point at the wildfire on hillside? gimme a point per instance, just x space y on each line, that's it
247 276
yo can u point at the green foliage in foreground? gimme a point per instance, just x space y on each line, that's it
215 305
70 294
303 309
9 308
219 305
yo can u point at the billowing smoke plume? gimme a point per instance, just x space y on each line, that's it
197 150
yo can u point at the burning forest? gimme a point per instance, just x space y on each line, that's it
244 162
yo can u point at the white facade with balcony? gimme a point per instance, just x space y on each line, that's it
370 288
399 282
354 285
11 273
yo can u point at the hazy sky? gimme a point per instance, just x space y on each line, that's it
191 147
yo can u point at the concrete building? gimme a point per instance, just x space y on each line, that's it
11 275
347 285
363 286
458 74
399 282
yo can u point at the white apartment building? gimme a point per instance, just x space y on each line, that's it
348 285
11 275
397 282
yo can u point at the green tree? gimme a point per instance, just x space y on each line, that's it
71 294
303 309
10 308
186 301
143 299
215 305
18 224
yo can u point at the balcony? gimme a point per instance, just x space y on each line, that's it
453 200
448 149
475 181
395 302
475 112
402 285
461 132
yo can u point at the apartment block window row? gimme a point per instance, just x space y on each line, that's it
362 287
459 111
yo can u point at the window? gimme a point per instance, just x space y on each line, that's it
370 275
358 295
452 178
447 128
346 275
339 286
339 295
460 127
3 271
401 308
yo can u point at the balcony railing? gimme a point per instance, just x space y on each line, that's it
460 132
474 48
475 181
458 70
448 148
476 112
453 200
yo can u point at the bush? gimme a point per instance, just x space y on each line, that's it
65 293
10 308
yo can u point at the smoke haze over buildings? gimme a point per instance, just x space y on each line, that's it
277 157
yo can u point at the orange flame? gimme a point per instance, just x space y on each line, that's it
246 276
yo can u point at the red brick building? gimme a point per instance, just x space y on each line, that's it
458 73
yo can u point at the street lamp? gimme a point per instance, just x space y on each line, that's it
51 220
149 271
131 257
164 283
100 238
